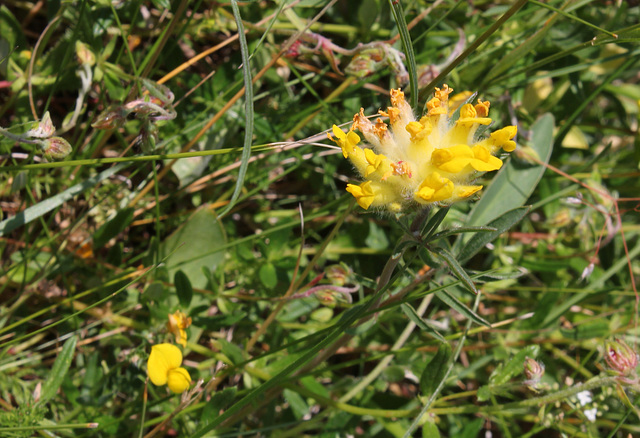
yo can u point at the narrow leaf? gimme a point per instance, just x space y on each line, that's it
421 323
183 288
407 45
59 370
501 224
456 305
460 230
248 108
455 267
436 370
43 207
434 223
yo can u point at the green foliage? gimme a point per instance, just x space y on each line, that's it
200 178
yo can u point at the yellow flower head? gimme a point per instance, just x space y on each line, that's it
431 160
177 324
164 368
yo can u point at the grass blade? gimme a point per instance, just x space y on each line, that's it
248 108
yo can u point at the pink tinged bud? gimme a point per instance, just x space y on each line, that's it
337 274
368 62
533 369
294 50
44 129
56 148
111 118
621 358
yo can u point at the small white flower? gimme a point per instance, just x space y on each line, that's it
591 414
584 397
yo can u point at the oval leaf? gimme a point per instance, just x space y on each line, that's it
59 370
268 275
436 370
183 289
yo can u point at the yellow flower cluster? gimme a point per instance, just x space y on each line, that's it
431 160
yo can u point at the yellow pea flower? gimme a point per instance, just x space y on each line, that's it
433 159
164 368
178 322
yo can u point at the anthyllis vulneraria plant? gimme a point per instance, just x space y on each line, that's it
426 161
164 368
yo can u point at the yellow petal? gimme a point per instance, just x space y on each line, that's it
178 380
483 160
363 194
452 159
502 138
486 166
163 358
435 188
461 192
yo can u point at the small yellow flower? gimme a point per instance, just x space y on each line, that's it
430 160
178 322
164 368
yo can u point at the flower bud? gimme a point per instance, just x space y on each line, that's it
337 274
43 129
84 54
111 118
56 148
367 62
621 358
533 369
330 298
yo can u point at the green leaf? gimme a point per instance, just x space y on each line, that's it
183 289
484 393
436 370
460 230
430 430
112 228
514 366
232 351
501 224
43 207
421 323
515 182
434 222
194 247
11 38
456 305
628 35
505 62
407 45
59 370
268 275
297 404
455 267
248 108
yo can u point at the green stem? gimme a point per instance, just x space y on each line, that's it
573 17
558 396
50 427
